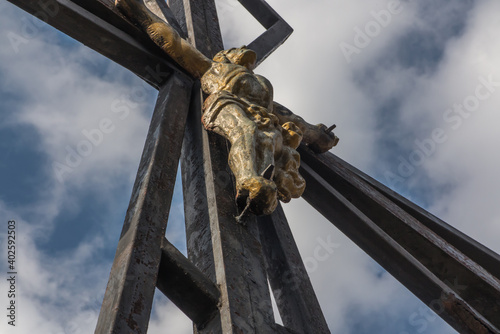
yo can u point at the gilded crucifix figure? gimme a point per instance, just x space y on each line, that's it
240 107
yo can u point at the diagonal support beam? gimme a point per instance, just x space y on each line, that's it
261 10
482 255
278 329
463 293
186 286
129 295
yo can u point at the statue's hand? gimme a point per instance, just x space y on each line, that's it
322 138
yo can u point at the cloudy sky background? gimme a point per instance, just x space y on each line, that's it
386 94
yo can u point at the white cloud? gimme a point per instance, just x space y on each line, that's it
56 293
167 317
466 162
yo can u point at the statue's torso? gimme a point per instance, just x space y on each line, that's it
240 81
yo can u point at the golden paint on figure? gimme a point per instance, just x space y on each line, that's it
240 107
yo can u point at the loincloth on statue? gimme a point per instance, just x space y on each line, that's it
289 182
214 104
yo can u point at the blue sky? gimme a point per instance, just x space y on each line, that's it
393 83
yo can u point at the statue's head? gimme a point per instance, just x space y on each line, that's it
240 56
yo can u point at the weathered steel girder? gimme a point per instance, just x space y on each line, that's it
129 295
451 273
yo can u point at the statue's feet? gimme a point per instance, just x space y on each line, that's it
258 195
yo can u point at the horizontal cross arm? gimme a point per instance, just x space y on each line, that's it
99 26
462 292
186 286
482 255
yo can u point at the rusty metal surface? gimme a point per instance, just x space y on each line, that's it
278 329
129 295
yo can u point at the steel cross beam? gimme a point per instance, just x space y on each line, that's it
450 272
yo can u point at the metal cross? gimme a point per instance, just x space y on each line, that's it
223 286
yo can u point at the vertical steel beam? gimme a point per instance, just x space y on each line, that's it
294 294
196 207
129 295
226 251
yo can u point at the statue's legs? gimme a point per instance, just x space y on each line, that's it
257 142
287 178
252 151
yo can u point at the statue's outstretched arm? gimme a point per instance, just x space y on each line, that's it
316 137
165 37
